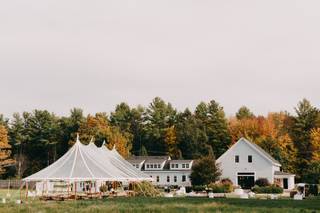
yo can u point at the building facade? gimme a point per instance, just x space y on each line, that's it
163 170
245 162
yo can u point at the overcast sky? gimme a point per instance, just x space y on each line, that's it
57 55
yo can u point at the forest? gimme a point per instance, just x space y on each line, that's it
32 140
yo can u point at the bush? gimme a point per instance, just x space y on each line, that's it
262 182
103 188
199 188
226 181
226 187
145 189
272 189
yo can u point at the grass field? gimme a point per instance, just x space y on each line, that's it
139 204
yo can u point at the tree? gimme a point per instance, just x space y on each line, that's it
171 143
5 151
205 171
99 128
306 119
158 117
244 113
315 144
191 137
211 119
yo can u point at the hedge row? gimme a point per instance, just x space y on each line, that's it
273 189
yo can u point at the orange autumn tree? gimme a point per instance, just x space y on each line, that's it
99 128
269 133
5 150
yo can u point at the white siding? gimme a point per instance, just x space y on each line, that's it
260 166
164 174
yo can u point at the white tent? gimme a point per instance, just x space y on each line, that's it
89 163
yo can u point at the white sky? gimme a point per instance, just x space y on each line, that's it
57 55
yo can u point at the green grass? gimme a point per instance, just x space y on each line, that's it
139 204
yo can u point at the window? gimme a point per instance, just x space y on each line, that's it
137 166
177 166
158 178
148 166
175 178
151 166
155 166
183 165
172 165
184 178
159 166
249 158
187 166
236 159
168 179
134 165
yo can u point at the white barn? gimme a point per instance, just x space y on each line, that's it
163 170
245 162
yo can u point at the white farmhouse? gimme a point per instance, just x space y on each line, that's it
163 170
245 162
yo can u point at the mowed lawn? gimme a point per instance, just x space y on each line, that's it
140 204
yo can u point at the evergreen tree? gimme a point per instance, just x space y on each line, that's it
306 119
244 113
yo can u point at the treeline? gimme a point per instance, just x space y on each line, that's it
32 140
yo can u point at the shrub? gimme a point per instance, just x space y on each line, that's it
226 181
221 187
103 188
199 188
272 189
145 189
262 182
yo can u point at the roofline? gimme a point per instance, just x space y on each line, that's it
255 148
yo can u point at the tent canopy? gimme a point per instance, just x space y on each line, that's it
88 162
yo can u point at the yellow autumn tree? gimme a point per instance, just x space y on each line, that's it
5 150
315 144
171 143
99 128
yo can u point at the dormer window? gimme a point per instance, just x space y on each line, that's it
249 158
236 159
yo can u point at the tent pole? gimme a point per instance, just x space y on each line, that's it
26 190
75 190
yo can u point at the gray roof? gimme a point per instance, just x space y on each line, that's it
149 158
155 160
180 161
282 173
136 161
267 155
